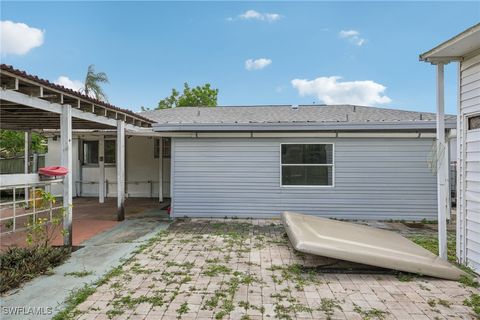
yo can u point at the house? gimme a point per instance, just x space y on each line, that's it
344 161
464 48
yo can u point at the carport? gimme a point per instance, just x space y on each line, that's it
28 104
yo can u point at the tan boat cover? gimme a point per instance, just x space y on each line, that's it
363 244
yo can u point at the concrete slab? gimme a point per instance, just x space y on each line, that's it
365 245
100 254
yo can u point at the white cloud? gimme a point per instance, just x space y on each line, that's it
19 38
257 64
255 15
65 81
332 91
353 36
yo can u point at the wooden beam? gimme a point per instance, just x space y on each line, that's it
67 162
64 97
120 170
33 102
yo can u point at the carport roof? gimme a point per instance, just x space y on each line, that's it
17 85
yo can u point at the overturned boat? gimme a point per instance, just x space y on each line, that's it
366 245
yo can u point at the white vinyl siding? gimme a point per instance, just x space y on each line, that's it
468 206
375 178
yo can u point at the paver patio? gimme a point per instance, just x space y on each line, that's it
246 269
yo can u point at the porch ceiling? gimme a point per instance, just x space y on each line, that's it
20 117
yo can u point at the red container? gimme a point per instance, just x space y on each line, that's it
53 171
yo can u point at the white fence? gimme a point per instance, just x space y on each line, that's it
17 211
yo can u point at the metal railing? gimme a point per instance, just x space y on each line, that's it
109 183
16 211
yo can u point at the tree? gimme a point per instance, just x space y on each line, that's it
93 82
199 96
12 143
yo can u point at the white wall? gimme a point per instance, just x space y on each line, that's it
52 158
141 167
468 206
374 178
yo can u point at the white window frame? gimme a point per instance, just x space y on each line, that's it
313 165
95 165
467 119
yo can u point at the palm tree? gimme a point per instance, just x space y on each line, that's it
93 83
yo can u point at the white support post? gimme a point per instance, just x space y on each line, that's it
160 169
442 165
101 169
120 170
26 157
67 162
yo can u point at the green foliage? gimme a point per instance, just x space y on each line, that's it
40 231
474 303
469 281
74 299
199 96
430 242
78 274
370 313
93 82
12 143
18 265
183 309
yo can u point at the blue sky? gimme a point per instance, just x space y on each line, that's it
146 48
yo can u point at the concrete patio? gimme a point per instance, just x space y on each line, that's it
91 218
247 269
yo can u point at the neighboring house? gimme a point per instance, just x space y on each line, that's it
341 161
465 48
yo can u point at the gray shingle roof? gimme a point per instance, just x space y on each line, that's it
264 115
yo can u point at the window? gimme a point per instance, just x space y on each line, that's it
307 164
110 151
474 122
91 152
165 148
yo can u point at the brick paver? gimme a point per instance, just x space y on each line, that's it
246 269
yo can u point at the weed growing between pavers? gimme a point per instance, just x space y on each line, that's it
78 274
328 306
474 303
225 269
370 314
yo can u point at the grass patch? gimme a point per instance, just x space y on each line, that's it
74 299
19 265
328 306
405 277
80 295
474 303
213 270
296 273
78 274
469 281
370 313
430 242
